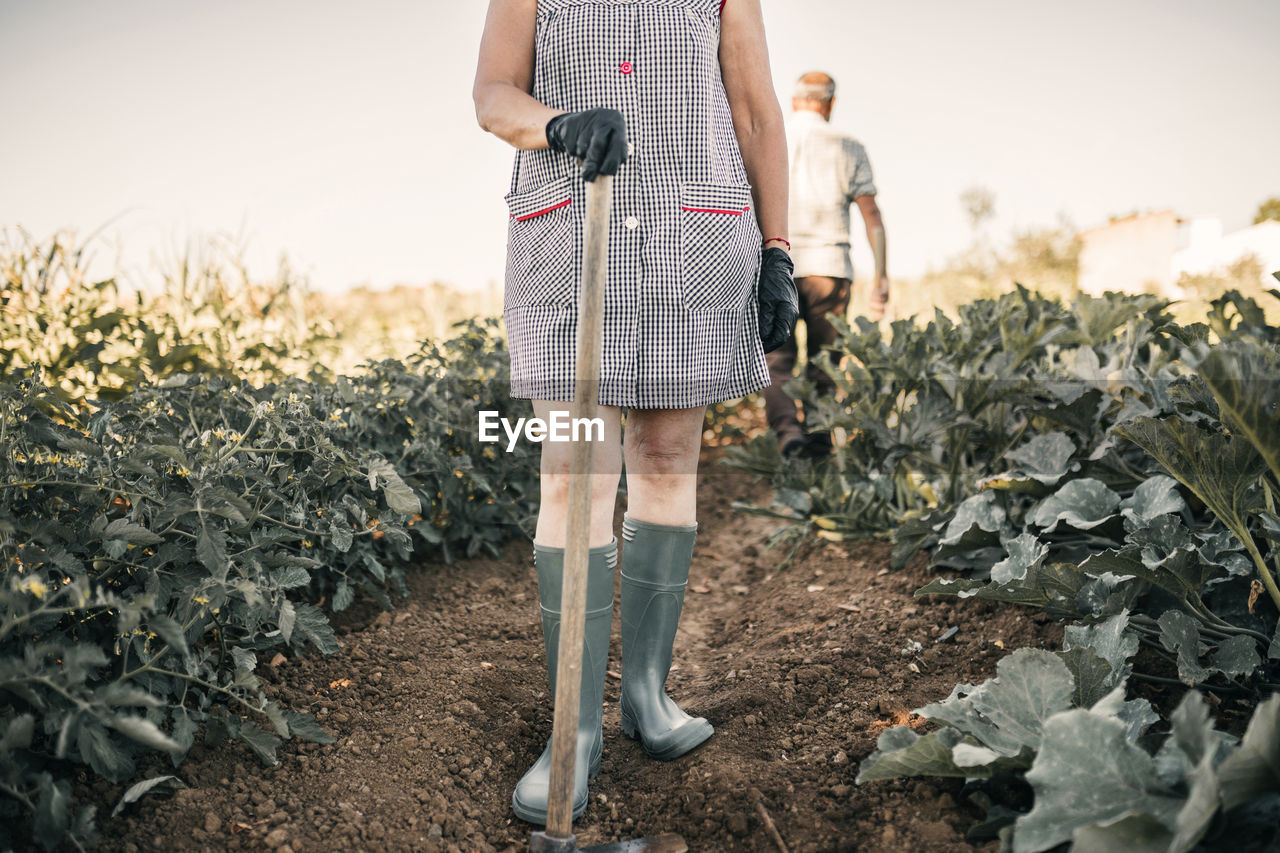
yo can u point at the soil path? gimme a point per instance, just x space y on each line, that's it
439 706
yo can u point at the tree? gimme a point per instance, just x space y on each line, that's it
980 204
1269 209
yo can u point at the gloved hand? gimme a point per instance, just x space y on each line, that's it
777 297
598 137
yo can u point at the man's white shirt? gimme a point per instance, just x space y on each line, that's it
829 169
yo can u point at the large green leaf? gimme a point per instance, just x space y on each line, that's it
399 496
1136 715
171 632
312 622
184 734
17 733
1254 767
1236 655
1109 640
53 812
1153 498
1107 595
145 732
1221 470
286 619
901 752
1083 504
978 520
1138 833
1245 379
263 743
211 548
1053 587
1181 633
304 725
1092 675
1025 552
127 531
1007 713
156 784
100 751
1194 737
945 752
1129 563
1087 772
1046 458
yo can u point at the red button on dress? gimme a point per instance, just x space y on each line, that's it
625 67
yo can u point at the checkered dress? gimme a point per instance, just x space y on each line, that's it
680 325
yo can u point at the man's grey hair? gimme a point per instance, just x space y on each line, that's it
814 86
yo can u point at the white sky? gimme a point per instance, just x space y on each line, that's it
342 133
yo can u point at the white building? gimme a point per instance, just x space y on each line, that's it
1150 251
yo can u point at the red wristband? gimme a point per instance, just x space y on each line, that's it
779 240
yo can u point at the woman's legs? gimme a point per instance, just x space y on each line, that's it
529 800
661 450
606 466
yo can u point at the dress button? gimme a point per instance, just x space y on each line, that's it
626 67
632 223
631 149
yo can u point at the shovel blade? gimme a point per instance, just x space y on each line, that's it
667 842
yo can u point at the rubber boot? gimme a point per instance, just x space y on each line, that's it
529 800
655 572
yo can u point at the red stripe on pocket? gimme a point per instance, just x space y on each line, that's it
564 203
714 210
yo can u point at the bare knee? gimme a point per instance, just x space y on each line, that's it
663 454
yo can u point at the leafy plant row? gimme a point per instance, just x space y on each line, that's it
1095 461
156 548
1101 778
94 339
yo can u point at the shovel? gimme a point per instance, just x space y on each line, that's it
558 836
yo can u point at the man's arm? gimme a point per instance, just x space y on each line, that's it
875 236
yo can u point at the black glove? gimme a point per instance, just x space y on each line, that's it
596 137
777 297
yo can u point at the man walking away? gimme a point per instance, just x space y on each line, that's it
829 172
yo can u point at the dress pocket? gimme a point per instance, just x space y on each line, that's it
540 255
719 247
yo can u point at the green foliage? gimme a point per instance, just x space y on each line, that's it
93 339
202 312
156 547
1095 461
1030 446
1268 210
1044 258
1244 274
1100 780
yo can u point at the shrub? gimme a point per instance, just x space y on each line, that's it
155 546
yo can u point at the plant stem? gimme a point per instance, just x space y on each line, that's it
1268 580
1196 606
205 684
235 447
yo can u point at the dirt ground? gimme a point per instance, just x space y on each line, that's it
439 706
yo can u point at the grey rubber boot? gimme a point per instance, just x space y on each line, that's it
655 571
529 800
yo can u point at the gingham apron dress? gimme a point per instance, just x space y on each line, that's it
680 325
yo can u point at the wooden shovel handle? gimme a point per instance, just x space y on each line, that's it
573 601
